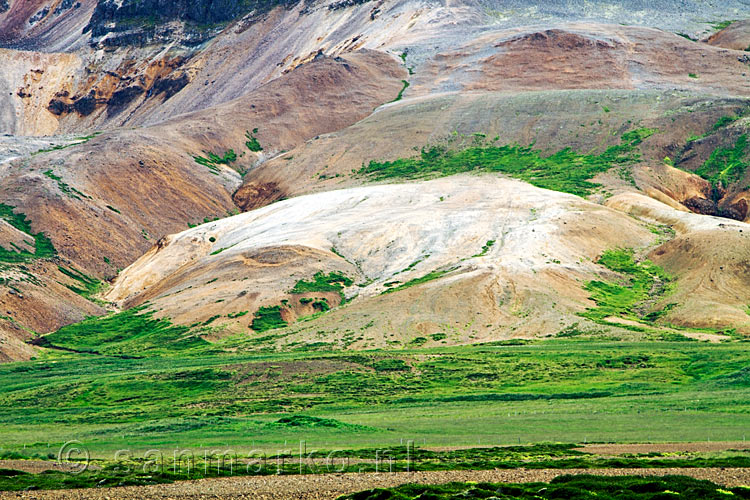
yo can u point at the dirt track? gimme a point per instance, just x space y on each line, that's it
330 486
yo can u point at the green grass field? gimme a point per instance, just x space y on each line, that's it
544 391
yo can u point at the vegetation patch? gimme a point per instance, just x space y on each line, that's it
550 390
217 252
212 161
641 281
132 333
401 92
411 266
307 422
572 487
724 121
687 37
65 188
418 281
321 305
720 25
725 166
565 170
321 282
43 247
211 319
87 287
485 248
268 318
391 365
77 141
252 142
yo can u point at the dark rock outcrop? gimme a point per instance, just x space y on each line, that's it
701 206
84 106
143 19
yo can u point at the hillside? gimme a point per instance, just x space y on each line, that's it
469 264
131 122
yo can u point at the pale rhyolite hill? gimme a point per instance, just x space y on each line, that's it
507 259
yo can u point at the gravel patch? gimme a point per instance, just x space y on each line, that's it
331 486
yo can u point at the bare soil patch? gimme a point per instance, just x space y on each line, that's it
620 449
34 466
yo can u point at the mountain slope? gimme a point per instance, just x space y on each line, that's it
133 120
103 201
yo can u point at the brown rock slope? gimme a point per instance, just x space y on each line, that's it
28 82
505 83
584 56
122 189
114 83
711 259
736 36
106 201
126 85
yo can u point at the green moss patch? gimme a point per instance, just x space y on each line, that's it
307 422
401 92
321 282
432 276
621 299
43 247
252 142
212 161
87 285
565 170
268 318
726 166
132 333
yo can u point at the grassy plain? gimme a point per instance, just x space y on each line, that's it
566 390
